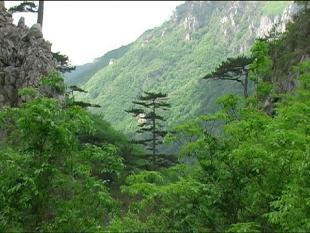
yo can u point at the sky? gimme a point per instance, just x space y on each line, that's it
85 30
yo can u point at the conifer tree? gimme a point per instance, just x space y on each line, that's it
147 110
71 100
25 6
64 65
234 69
30 6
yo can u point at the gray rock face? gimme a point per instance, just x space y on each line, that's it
24 57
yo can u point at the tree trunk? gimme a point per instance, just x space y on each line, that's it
154 136
40 13
245 87
2 6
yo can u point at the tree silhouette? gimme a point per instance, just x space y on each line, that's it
63 65
25 6
30 6
234 69
150 120
71 100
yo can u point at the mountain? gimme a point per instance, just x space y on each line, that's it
84 72
174 57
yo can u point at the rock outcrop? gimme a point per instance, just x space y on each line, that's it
197 14
267 23
24 58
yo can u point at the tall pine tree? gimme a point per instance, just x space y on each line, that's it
149 105
30 6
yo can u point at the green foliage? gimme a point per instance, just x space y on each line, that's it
28 92
63 65
229 102
253 177
48 181
128 224
291 208
105 134
263 89
244 227
261 65
231 68
105 160
164 202
243 170
261 69
25 6
234 69
54 81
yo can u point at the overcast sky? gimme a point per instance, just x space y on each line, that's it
85 30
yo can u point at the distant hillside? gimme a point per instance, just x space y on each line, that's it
84 72
174 57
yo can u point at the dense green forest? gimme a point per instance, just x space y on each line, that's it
243 167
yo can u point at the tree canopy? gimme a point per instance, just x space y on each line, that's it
234 69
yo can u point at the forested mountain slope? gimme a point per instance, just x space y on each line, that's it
64 169
84 72
174 57
254 175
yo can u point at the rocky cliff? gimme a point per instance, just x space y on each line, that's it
196 15
24 57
